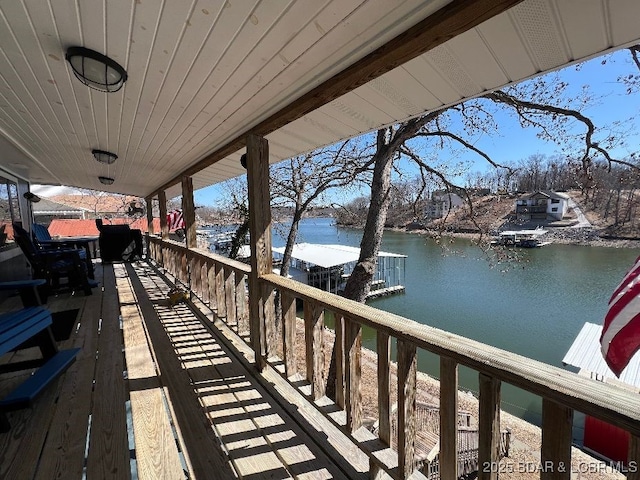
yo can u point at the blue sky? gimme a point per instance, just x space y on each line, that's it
512 142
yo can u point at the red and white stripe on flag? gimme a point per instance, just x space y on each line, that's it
621 330
175 220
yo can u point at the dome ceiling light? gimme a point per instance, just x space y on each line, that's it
104 157
96 70
106 180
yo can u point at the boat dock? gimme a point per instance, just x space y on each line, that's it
522 238
328 268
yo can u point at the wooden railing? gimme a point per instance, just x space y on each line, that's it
218 281
223 281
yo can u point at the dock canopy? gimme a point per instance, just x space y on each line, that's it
328 256
586 355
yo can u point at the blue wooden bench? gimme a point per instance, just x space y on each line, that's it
16 328
29 290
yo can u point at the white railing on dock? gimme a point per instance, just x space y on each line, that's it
222 283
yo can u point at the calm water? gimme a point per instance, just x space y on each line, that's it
535 308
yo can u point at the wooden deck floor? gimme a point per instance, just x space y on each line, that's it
157 392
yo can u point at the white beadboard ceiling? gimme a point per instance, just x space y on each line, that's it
202 72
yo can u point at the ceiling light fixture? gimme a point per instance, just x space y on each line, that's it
106 180
104 157
96 70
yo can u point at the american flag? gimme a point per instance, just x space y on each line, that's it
175 220
621 330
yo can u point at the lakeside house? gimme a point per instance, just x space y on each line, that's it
442 203
542 205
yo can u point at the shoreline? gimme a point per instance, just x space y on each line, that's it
562 236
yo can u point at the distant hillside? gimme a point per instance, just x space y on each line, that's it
492 211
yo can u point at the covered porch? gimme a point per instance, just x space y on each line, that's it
222 386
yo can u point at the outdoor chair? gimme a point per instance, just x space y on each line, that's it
43 240
54 265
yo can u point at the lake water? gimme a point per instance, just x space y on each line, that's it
534 307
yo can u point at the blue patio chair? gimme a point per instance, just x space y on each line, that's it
43 240
52 265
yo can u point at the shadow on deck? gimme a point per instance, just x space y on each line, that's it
158 392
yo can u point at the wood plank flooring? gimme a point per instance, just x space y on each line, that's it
153 394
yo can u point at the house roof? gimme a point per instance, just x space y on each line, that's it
85 228
302 74
49 207
327 256
98 203
547 194
585 354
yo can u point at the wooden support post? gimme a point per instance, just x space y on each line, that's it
314 347
384 386
150 229
353 373
489 428
260 234
288 302
555 457
448 418
189 212
407 370
162 206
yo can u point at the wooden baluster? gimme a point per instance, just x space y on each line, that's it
353 373
384 386
211 285
229 296
204 279
184 272
448 461
555 457
339 353
489 428
194 274
289 332
222 311
270 334
198 273
242 305
407 368
314 347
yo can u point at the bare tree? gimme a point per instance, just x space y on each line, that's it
236 206
539 104
300 181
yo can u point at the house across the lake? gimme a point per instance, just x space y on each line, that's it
328 267
542 205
